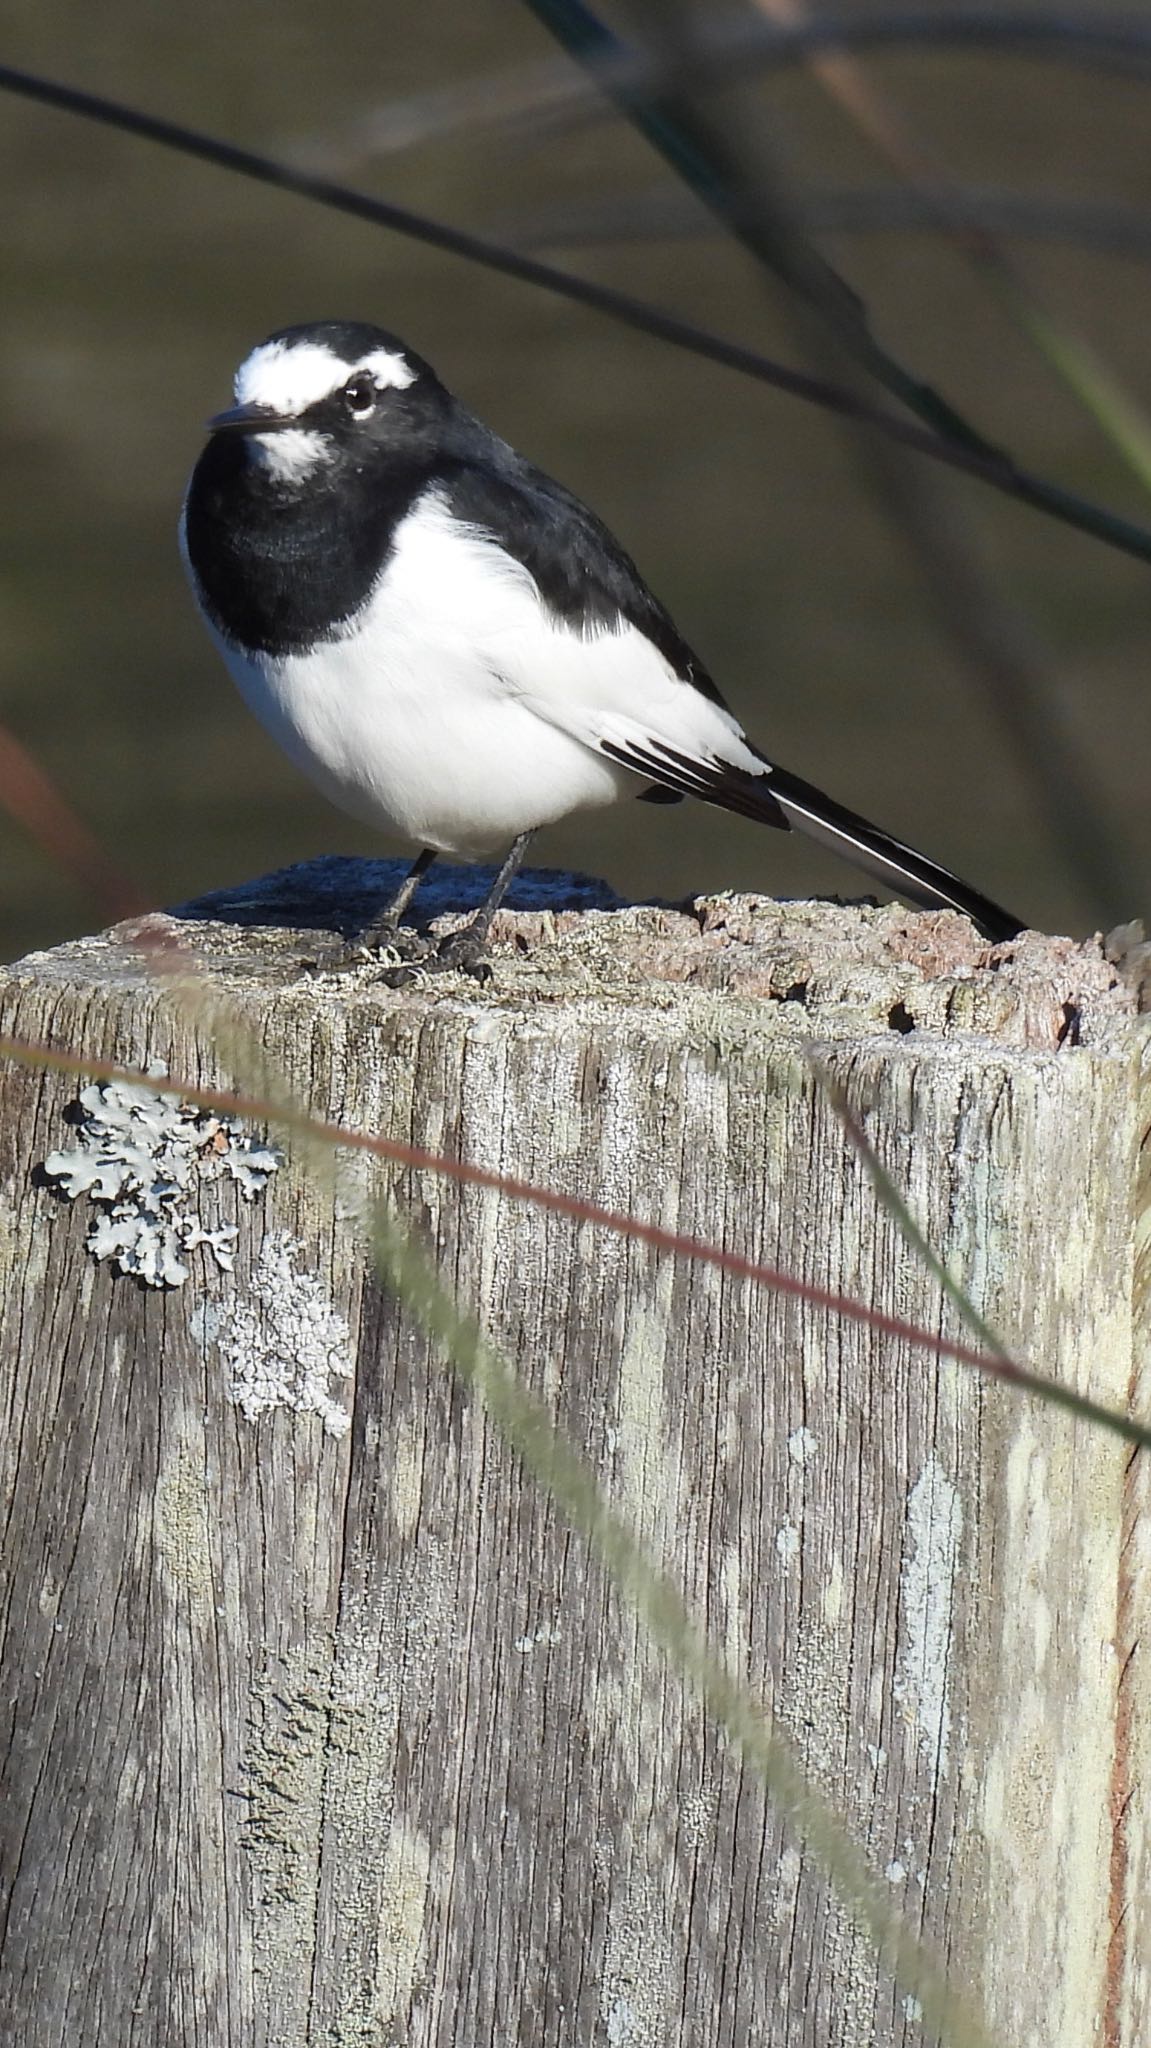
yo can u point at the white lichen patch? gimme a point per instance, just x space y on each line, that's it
934 1528
285 1344
782 1905
180 1526
831 1595
141 1157
547 1633
637 1983
402 1935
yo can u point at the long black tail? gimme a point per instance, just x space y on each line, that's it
900 868
779 798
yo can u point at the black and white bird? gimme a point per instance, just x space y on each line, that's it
449 643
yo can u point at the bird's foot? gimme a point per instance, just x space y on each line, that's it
383 947
461 952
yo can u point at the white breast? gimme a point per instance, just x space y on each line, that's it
456 713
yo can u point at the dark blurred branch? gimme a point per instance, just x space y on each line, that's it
1091 383
720 155
997 470
1002 659
1117 43
734 185
669 213
1100 226
538 95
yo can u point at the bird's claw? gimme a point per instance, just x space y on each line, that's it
459 953
403 958
463 953
378 949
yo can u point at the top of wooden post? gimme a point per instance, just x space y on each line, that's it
839 970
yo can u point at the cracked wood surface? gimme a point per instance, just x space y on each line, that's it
323 1740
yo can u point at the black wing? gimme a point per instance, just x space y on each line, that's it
579 568
587 579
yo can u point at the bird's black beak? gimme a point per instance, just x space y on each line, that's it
249 419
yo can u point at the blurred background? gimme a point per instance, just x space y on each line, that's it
835 606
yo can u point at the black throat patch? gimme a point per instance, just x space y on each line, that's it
281 567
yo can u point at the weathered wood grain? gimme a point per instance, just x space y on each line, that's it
315 1740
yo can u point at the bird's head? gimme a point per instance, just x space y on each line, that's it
329 394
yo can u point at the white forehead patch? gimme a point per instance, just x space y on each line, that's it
291 376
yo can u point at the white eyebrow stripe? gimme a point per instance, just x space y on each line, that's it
387 369
289 377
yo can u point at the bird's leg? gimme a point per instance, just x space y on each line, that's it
383 934
462 952
464 949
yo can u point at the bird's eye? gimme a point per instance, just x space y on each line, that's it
360 395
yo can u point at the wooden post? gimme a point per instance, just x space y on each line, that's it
322 1731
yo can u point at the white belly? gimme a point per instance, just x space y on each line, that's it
457 712
420 746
